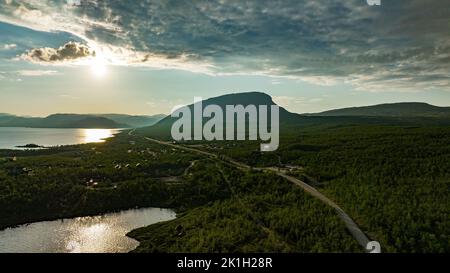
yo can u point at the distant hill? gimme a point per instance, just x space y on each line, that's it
245 99
78 121
162 128
133 121
106 121
409 114
403 109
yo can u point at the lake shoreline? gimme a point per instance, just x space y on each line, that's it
77 215
17 222
126 225
25 138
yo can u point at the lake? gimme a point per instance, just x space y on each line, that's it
97 234
10 137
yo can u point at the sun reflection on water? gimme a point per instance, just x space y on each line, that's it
92 238
91 234
96 135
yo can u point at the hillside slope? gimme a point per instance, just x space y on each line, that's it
411 114
403 109
106 121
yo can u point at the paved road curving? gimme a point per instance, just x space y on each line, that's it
356 232
352 227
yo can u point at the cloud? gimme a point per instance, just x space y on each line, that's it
8 46
36 73
289 101
158 106
393 46
69 97
68 52
18 75
275 82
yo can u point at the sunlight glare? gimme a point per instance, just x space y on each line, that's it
98 67
96 135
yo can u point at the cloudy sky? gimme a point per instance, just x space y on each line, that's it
144 57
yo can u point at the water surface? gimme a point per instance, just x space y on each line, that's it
98 234
11 137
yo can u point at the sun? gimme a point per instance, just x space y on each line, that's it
98 67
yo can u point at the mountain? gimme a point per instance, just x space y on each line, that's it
403 109
59 121
163 127
133 121
7 120
106 121
245 99
409 114
78 121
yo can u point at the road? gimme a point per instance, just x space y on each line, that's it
356 232
352 227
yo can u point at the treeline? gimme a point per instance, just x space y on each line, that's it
263 213
393 180
221 209
87 179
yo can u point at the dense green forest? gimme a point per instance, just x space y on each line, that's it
262 213
394 181
128 171
86 179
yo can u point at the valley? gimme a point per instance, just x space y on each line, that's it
330 187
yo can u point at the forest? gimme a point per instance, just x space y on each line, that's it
86 179
261 213
394 181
